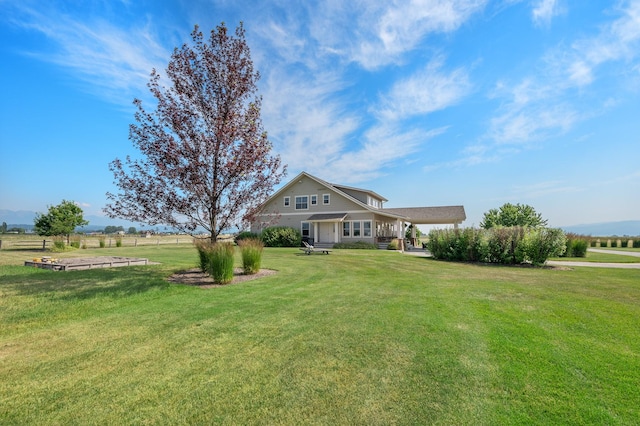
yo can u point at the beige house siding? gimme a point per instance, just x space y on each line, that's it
350 214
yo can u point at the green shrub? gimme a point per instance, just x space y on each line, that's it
576 245
58 244
251 249
503 245
75 243
281 236
636 243
118 241
578 248
393 245
101 242
362 245
540 244
246 235
614 243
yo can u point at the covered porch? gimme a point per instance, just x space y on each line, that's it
391 229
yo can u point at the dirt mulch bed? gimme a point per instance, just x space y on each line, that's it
197 278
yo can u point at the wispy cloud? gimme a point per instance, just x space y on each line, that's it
618 40
430 89
375 34
544 11
542 104
542 189
113 61
383 145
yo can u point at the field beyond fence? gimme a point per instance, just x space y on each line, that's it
22 242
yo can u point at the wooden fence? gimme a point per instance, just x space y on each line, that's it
94 242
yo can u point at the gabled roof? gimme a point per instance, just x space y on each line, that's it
336 188
366 191
416 215
431 215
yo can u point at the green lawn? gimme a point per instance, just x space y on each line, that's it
356 337
602 258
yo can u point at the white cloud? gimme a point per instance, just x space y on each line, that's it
540 105
541 189
383 145
544 10
308 127
374 34
428 90
114 61
619 40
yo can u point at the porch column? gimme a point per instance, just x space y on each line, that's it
455 225
336 232
316 237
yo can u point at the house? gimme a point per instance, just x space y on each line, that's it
327 213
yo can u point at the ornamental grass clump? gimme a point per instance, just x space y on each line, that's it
217 261
251 249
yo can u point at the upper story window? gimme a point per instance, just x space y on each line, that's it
314 200
287 201
302 202
374 202
325 199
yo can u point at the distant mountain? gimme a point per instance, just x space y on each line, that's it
24 219
624 228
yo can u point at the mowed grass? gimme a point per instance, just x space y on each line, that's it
356 337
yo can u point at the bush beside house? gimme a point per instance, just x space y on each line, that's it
503 245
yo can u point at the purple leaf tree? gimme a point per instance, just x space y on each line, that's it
206 159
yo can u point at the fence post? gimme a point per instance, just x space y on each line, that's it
0 244
44 244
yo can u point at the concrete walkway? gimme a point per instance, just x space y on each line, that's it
601 265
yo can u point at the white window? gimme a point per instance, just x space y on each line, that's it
287 201
346 229
314 200
302 202
366 228
325 199
356 229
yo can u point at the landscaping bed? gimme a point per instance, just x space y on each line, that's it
46 262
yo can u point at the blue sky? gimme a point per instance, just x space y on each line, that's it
433 102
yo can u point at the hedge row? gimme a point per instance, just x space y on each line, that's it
274 236
511 245
613 242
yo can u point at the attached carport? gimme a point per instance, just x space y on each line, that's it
440 215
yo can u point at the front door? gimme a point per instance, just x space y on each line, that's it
325 232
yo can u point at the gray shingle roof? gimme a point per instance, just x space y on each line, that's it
430 215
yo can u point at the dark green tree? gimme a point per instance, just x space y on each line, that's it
132 230
3 228
113 229
61 220
513 215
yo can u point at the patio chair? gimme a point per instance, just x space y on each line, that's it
308 249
